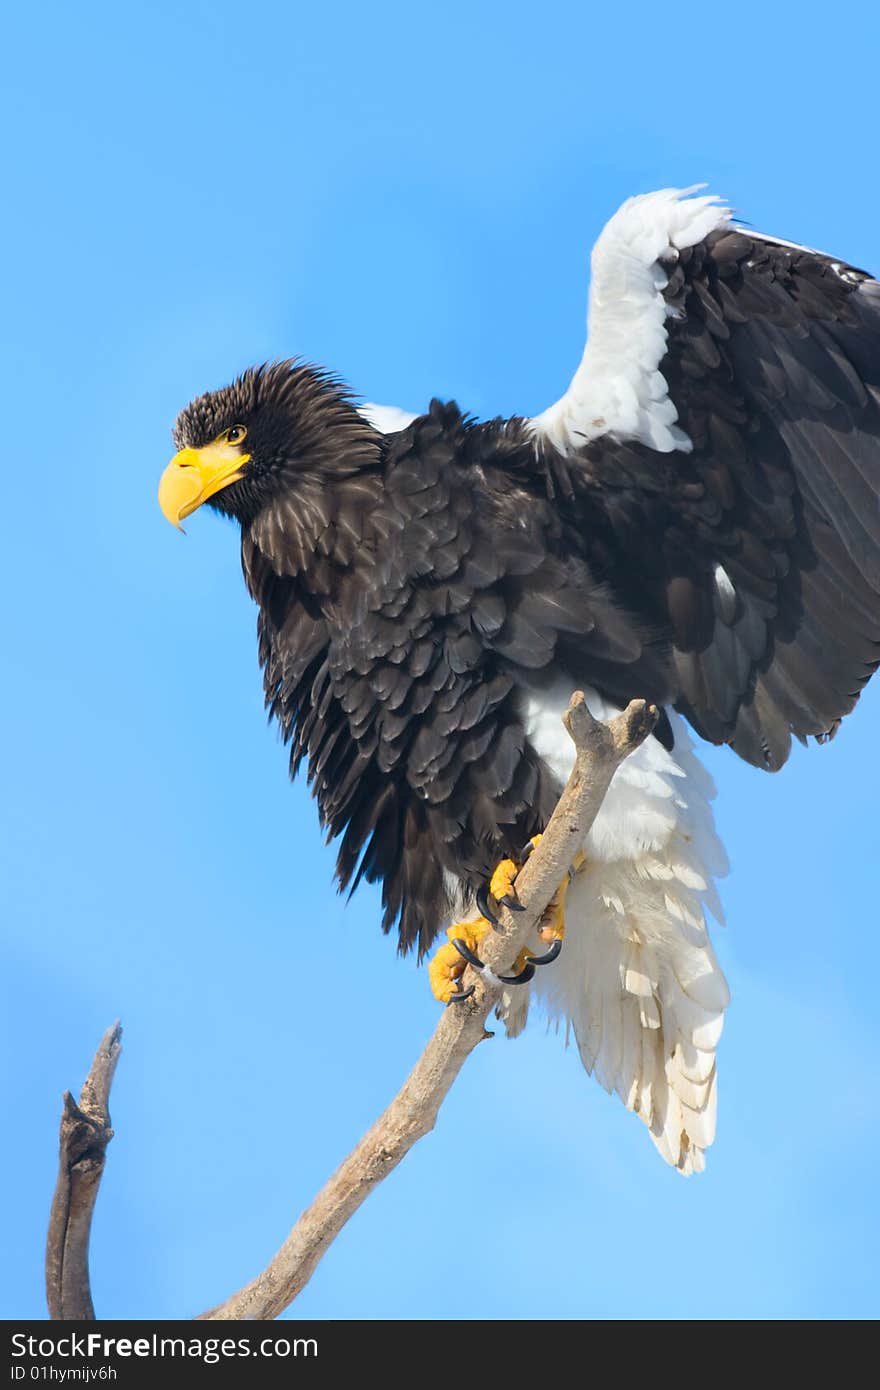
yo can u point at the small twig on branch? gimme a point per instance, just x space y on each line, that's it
600 749
85 1134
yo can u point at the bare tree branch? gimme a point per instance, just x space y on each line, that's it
85 1134
600 749
85 1128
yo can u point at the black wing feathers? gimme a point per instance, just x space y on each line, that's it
773 362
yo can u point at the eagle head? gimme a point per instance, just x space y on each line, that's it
276 428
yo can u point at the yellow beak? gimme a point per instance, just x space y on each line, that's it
194 475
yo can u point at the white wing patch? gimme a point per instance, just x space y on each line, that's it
637 979
387 419
618 387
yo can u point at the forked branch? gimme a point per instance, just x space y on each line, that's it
85 1134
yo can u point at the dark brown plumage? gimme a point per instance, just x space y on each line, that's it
413 587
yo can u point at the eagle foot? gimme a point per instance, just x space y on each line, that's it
447 965
449 962
524 965
500 890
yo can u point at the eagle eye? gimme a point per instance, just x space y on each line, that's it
234 435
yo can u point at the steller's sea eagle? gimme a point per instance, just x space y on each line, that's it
696 521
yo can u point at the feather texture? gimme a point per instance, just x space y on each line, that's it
619 387
756 521
637 979
696 522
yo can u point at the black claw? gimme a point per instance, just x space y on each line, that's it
470 956
527 849
522 978
483 904
462 994
549 956
528 969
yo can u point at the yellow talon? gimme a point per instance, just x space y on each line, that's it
520 963
446 966
552 926
445 969
501 882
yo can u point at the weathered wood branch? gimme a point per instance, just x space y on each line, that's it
600 749
85 1134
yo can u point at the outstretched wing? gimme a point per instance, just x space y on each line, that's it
722 444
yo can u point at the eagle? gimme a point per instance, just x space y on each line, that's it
695 522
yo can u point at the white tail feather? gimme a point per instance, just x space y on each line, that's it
638 978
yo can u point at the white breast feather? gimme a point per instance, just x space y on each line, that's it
618 387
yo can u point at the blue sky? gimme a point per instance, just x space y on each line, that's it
408 195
